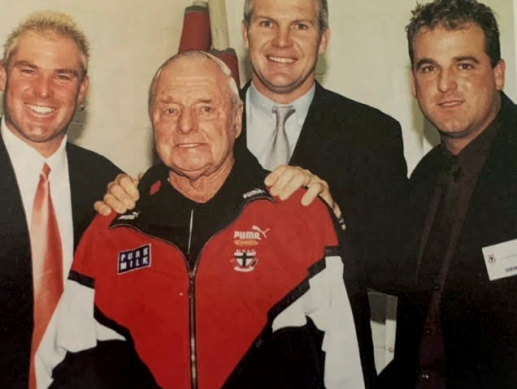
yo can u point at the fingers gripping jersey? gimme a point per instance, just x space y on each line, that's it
264 306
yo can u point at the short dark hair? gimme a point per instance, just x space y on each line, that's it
452 15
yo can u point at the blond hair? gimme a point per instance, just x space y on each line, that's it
44 22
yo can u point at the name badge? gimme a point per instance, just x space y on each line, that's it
501 259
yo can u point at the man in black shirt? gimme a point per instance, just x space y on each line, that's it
457 322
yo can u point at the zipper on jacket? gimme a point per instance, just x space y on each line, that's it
192 306
192 288
191 293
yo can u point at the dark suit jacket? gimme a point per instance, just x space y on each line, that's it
358 150
89 175
478 316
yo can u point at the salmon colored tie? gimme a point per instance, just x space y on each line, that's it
47 259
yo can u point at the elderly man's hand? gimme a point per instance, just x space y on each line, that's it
285 180
122 195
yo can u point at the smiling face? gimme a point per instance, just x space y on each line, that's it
284 41
455 84
43 83
195 120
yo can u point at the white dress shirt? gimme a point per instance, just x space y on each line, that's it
260 121
28 164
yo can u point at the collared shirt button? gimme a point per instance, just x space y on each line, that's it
428 331
436 286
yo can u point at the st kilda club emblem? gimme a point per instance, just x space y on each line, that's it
244 260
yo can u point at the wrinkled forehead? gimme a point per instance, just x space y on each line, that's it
192 77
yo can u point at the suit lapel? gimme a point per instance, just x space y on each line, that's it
13 224
316 136
16 292
82 208
498 179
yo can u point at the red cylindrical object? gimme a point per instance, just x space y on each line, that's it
229 57
196 29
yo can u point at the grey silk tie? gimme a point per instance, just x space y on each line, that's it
279 153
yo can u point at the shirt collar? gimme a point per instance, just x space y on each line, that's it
260 102
472 158
22 154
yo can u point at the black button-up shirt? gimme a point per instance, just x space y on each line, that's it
443 225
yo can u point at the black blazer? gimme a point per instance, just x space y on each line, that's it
479 316
358 150
89 175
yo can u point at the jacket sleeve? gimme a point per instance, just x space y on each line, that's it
96 356
327 304
78 330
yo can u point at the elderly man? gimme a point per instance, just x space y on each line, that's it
457 327
47 186
291 119
214 281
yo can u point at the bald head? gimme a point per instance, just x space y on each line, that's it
191 56
196 115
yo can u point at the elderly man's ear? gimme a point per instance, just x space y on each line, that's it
238 120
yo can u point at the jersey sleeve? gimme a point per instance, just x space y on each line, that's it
77 328
327 304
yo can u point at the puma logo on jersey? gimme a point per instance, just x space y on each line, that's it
129 216
261 232
246 235
251 237
254 192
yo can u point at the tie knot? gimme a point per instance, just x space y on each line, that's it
452 167
45 172
283 112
